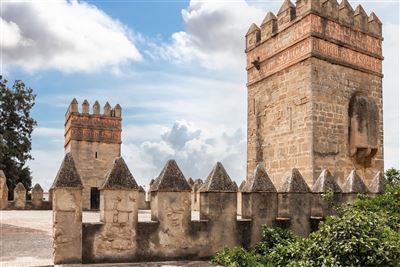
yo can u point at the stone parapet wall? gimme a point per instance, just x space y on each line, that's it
172 234
44 205
20 201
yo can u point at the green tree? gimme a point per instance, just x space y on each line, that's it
16 126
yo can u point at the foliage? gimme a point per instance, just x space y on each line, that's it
364 233
358 238
235 257
16 126
392 176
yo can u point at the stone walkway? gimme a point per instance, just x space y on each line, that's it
25 239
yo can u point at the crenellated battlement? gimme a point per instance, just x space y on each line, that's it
172 234
343 15
323 29
85 109
95 126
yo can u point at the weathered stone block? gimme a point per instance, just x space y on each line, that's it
218 205
294 199
19 196
3 191
326 193
37 196
259 203
67 226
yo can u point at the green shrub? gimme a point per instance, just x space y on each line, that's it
364 233
358 238
272 238
392 176
235 257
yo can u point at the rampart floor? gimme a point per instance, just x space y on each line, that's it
25 239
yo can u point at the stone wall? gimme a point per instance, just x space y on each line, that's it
172 234
314 79
333 86
20 201
90 168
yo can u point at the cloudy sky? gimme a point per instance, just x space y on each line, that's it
176 67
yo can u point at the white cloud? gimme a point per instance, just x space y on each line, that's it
135 133
12 32
45 166
49 132
214 34
69 36
195 149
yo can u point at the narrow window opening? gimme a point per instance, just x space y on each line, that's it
95 155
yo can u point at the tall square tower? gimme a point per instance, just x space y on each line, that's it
314 80
94 141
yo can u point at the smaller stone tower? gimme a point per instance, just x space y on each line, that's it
94 141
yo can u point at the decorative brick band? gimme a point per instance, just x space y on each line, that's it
317 47
288 57
346 35
92 128
345 55
313 35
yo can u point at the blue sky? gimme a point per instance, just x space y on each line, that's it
176 68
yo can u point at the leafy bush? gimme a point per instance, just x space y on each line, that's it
358 238
364 233
272 238
392 176
235 257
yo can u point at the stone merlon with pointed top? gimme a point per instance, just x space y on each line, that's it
287 4
171 179
119 177
294 183
286 13
107 109
218 181
37 187
67 175
354 184
374 24
360 18
377 185
85 107
269 26
19 187
253 28
326 182
346 12
260 181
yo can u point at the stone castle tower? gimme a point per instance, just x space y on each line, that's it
314 80
94 141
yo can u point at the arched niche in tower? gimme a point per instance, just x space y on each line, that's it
363 129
